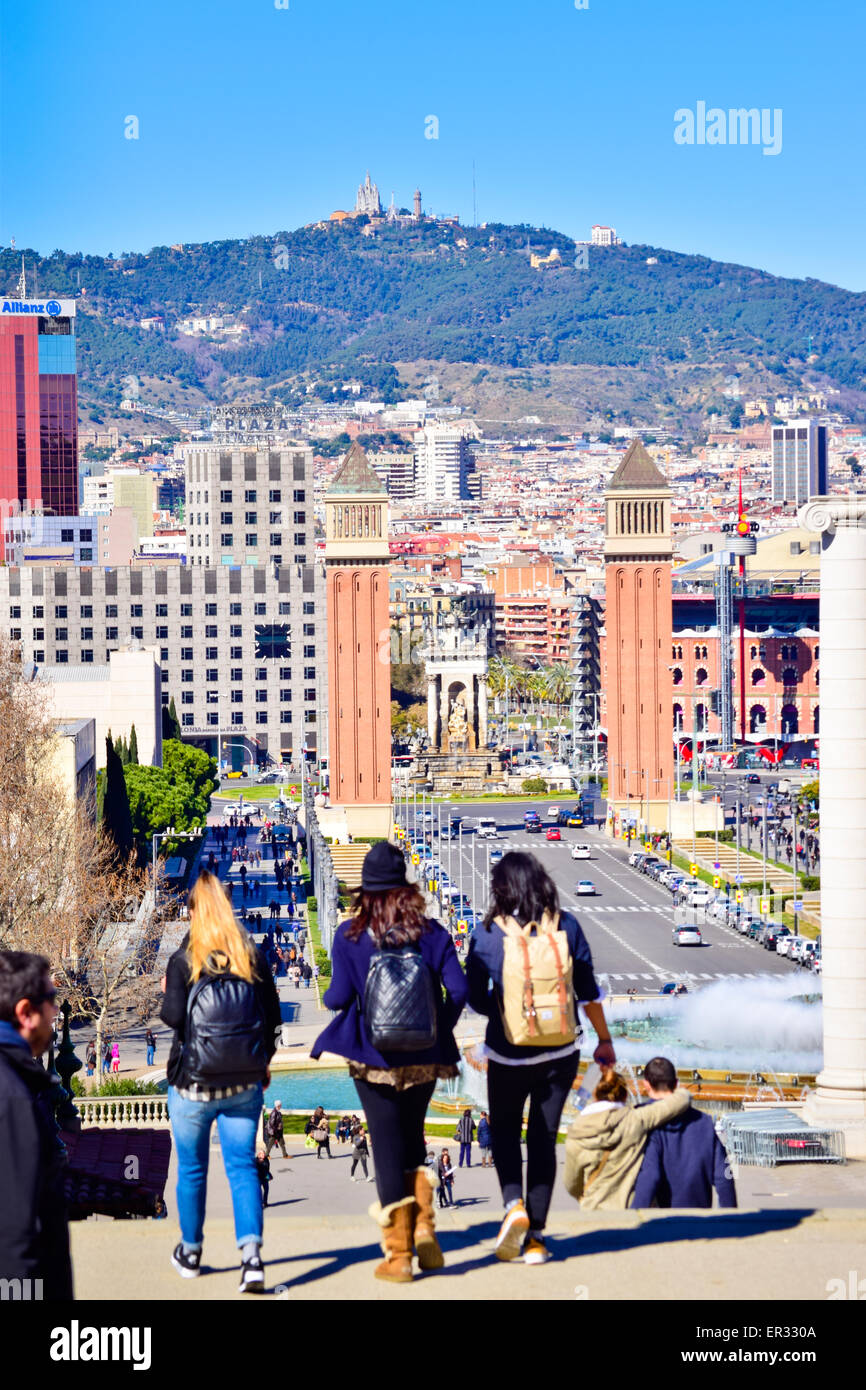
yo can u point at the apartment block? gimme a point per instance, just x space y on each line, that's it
241 650
249 507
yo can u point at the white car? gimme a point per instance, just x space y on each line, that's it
581 852
487 828
699 897
585 889
688 935
553 813
786 943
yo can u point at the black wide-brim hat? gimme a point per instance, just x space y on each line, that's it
384 868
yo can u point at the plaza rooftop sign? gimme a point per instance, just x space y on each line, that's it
47 308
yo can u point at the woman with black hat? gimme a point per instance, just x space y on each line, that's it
395 1086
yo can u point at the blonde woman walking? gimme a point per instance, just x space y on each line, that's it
221 1002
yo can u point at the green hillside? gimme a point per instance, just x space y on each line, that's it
334 302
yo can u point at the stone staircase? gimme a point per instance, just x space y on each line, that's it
348 861
751 869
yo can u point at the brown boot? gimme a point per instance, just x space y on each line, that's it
396 1222
422 1183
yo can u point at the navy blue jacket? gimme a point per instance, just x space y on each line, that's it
682 1163
346 1035
484 964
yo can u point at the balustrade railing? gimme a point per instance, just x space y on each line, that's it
123 1112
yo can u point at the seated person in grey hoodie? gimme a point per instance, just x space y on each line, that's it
605 1144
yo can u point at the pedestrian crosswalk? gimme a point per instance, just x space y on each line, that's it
585 905
646 979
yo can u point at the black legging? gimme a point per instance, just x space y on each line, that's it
395 1120
546 1085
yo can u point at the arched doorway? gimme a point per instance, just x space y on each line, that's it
678 717
757 719
790 720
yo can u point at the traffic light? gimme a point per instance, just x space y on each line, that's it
715 701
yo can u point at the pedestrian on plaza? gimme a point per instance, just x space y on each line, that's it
211 862
225 1014
322 1136
296 976
605 1144
307 973
90 1059
150 1042
484 1140
360 1154
684 1160
264 1174
313 1121
275 1128
446 1179
464 1136
395 1087
34 1236
523 895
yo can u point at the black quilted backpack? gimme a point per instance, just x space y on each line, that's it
399 1002
225 1033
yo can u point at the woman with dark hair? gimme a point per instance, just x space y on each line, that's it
395 1087
522 893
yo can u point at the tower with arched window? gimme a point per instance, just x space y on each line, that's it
359 670
639 626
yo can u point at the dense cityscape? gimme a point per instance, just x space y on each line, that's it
411 636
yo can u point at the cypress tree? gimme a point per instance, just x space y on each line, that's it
170 721
133 746
116 816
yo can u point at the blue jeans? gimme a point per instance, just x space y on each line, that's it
466 1152
237 1119
151 1054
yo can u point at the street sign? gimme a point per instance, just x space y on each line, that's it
693 868
765 906
416 859
738 878
716 865
739 896
717 882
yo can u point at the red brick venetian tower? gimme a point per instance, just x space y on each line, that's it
638 625
359 670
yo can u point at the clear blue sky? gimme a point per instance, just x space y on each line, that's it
256 119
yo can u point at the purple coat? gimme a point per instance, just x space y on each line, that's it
346 1035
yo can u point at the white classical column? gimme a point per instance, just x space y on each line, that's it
482 710
840 1098
432 708
444 711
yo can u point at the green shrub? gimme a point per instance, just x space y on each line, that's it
726 835
534 786
312 905
126 1086
811 883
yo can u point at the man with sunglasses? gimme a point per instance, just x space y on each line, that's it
34 1237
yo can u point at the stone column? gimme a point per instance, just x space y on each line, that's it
444 711
482 711
840 1098
432 708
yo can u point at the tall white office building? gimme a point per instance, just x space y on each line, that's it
444 464
799 461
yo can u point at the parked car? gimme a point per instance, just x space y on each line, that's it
585 888
553 813
786 943
554 833
774 936
650 863
687 935
636 856
581 852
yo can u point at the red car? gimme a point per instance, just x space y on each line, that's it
553 833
